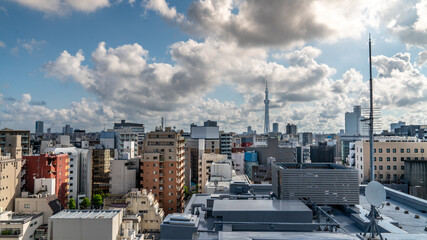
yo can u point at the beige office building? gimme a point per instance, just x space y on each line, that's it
24 140
389 156
10 172
162 168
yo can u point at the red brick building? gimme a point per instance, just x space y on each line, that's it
48 166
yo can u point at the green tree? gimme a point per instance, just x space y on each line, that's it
85 203
71 204
97 200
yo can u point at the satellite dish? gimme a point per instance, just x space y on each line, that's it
375 193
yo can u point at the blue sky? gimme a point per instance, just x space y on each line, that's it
190 61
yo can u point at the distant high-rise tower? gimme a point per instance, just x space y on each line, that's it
39 127
275 127
267 117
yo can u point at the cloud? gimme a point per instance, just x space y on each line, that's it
270 23
28 45
37 103
64 6
406 20
422 59
2 44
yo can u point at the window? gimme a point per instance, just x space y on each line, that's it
375 150
375 159
394 167
388 175
170 157
408 150
142 202
388 150
155 165
360 150
402 167
380 150
388 159
394 159
361 167
375 167
381 159
416 150
26 205
170 194
381 167
381 176
170 179
402 158
422 150
170 186
170 201
154 172
154 179
402 150
394 150
171 164
170 171
388 168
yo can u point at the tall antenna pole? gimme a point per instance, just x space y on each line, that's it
371 115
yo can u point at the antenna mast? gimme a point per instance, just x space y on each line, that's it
371 116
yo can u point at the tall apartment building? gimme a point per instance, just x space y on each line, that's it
352 121
390 154
307 138
123 175
25 139
275 127
39 128
291 129
101 159
78 167
10 172
225 143
48 166
162 168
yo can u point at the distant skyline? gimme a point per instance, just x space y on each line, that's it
93 62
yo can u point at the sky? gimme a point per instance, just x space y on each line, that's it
90 63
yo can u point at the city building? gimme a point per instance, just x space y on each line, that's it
303 154
67 130
11 171
393 126
39 128
101 159
19 226
251 159
34 204
238 159
138 203
205 163
322 153
53 166
162 168
291 129
306 209
137 128
272 149
276 127
79 166
108 140
124 175
225 143
352 121
125 135
390 154
89 224
306 138
25 139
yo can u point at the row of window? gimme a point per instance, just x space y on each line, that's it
389 167
408 150
395 159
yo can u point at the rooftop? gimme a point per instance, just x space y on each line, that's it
85 214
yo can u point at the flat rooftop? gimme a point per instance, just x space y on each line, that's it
85 214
